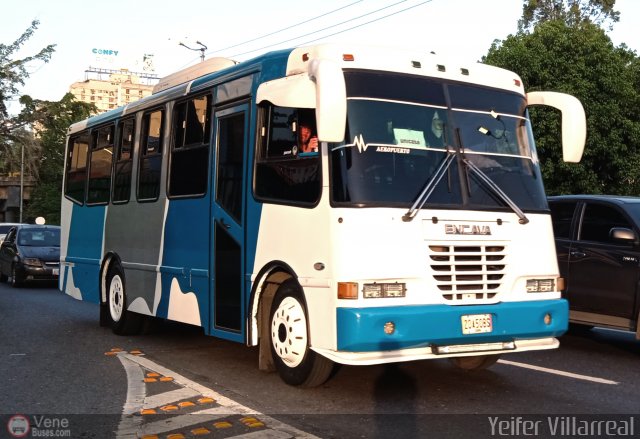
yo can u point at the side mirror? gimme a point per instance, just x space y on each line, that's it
574 125
331 99
623 234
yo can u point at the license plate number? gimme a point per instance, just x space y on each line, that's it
476 323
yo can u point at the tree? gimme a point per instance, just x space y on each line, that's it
15 137
571 12
581 60
54 120
13 73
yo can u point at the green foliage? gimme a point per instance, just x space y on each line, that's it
572 12
13 73
582 61
44 149
54 120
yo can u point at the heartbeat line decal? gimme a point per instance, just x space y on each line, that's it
358 142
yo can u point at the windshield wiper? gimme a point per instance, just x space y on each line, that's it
496 189
429 187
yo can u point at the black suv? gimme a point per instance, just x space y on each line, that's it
598 247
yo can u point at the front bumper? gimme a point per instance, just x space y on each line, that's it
35 273
425 331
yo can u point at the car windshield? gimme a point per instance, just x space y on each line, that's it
39 237
400 129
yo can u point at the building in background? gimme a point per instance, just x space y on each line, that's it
108 89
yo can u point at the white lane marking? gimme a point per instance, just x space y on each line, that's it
559 372
234 407
155 401
136 390
228 406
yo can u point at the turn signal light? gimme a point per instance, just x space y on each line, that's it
347 290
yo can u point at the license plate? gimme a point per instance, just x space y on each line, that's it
476 323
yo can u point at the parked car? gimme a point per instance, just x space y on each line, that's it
598 248
4 229
30 253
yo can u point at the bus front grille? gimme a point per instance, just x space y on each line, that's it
468 273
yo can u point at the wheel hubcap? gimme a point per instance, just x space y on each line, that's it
289 332
116 298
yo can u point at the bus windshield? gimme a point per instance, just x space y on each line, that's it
396 140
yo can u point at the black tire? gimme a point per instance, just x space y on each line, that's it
296 364
478 362
123 322
14 280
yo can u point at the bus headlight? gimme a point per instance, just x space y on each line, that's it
540 285
379 290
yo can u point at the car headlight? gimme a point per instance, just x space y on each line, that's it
34 262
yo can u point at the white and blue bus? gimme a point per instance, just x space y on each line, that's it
419 229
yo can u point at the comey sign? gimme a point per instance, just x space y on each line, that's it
107 52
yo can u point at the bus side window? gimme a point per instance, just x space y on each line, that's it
283 175
76 177
124 149
100 165
189 168
150 155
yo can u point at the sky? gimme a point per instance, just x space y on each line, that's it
117 34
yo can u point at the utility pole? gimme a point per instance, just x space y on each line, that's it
21 181
201 49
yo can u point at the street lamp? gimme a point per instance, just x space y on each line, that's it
201 49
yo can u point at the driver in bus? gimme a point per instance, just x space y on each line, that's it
308 140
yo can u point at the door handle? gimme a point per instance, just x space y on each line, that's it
578 254
224 224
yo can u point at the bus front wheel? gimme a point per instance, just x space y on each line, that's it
123 322
477 362
296 364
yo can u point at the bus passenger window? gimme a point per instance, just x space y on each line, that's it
285 172
122 174
189 168
100 167
150 156
77 167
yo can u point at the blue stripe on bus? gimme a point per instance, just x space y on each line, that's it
187 244
85 244
362 329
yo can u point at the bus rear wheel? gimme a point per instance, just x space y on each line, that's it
477 362
296 364
123 322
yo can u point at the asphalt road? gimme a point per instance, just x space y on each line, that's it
56 362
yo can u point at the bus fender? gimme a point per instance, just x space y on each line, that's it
270 279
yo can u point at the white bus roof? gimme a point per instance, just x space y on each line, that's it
394 59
